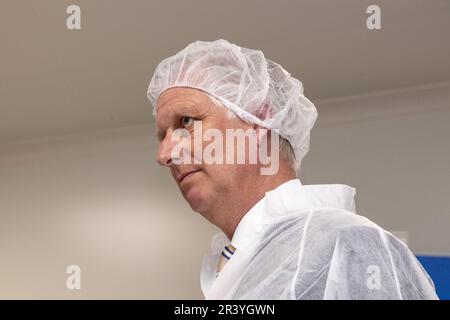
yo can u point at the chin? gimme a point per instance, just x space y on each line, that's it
196 199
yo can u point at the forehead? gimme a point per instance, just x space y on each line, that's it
180 99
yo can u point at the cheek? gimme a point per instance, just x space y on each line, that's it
212 177
222 175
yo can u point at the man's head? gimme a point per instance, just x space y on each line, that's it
224 86
181 114
256 89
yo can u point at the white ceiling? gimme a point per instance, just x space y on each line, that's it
55 81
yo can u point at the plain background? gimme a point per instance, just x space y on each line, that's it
78 179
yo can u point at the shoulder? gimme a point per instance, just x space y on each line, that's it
327 224
323 233
317 230
352 232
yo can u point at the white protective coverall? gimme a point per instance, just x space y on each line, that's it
307 242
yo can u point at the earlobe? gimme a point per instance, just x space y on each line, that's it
260 133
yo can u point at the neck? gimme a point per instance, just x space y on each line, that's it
229 213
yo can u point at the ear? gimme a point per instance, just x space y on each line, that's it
264 112
261 133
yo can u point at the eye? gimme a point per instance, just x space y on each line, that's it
186 121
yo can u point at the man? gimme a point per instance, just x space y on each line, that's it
280 239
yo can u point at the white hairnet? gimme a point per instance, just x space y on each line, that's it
256 89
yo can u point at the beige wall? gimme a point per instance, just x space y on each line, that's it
98 200
394 148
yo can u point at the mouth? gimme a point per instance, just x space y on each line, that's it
186 175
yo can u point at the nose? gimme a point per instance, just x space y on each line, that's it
164 156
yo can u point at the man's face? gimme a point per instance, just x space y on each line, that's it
204 186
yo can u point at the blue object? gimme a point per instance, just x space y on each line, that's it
439 270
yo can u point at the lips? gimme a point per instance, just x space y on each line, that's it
184 175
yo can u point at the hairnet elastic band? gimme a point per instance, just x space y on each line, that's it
241 113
